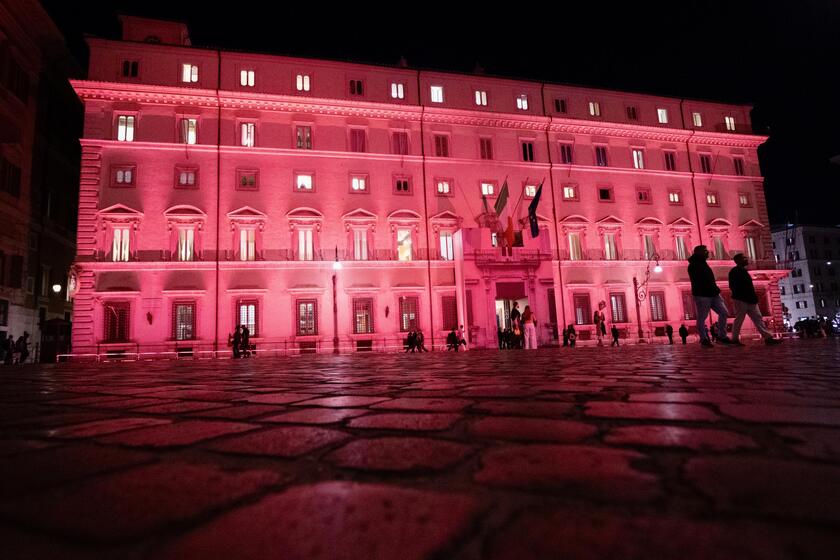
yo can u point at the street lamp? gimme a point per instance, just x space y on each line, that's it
641 292
56 288
336 267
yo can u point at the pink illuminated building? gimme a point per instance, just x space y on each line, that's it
223 188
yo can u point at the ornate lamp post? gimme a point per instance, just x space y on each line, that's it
336 268
641 291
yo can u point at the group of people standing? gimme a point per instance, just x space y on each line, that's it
522 332
14 352
240 342
415 342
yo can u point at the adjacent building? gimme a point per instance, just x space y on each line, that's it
333 205
810 253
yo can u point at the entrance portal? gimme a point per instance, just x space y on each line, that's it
503 307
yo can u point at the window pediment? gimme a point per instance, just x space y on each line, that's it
404 218
574 219
446 219
681 223
359 217
247 216
184 214
119 211
751 224
304 216
719 223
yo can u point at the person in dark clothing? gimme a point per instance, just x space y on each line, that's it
614 332
706 296
515 326
746 301
683 333
565 337
23 347
410 342
246 342
420 341
669 332
9 347
572 336
501 336
452 342
237 341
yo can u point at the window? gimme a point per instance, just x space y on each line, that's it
730 123
441 145
189 129
570 192
9 178
4 312
360 248
698 120
402 185
305 247
130 68
670 161
186 177
189 73
307 322
247 244
610 248
675 197
358 140
601 156
437 94
643 195
117 317
357 87
302 82
594 109
408 313
186 244
605 194
303 137
494 239
638 158
404 243
650 246
560 106
527 151
399 143
125 128
247 179
575 250
749 248
488 189
362 316
530 191
566 153
183 321
443 187
304 181
481 98
631 113
583 312
358 183
739 166
123 176
449 312
689 309
682 251
247 313
744 200
447 251
45 281
618 306
120 244
705 163
246 78
522 102
662 115
485 148
712 199
397 90
247 134
720 251
657 306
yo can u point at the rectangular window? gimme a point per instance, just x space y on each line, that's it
362 316
605 194
488 189
449 312
247 179
402 185
481 98
247 244
583 311
720 251
9 178
408 313
130 68
610 248
302 82
304 182
698 120
662 115
749 248
447 250
189 131
670 161
247 136
486 148
682 252
575 250
189 73
638 159
650 246
183 324
675 197
116 321
358 140
360 248
594 109
125 128
560 106
527 151
705 163
566 154
4 313
657 306
437 94
494 239
441 145
123 176
303 137
730 123
744 200
358 183
689 310
186 244
246 78
618 306
120 246
247 314
305 248
522 102
404 244
631 114
570 192
399 143
712 199
643 195
307 322
443 187
739 166
601 156
397 90
357 88
530 191
186 177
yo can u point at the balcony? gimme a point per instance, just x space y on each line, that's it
516 256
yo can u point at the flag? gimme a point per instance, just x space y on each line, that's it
502 200
509 234
532 211
484 202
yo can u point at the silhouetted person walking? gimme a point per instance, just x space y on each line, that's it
746 301
614 332
236 341
246 342
669 332
683 333
706 295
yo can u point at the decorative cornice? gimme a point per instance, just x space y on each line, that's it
571 126
144 93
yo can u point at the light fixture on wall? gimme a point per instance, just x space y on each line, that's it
56 288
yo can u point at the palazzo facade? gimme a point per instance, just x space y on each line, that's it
326 203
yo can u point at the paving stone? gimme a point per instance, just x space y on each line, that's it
136 502
670 397
498 391
179 407
341 402
279 398
769 486
102 427
436 405
815 443
698 439
180 433
237 411
650 411
399 454
334 521
288 441
316 415
780 414
578 470
533 429
403 421
532 408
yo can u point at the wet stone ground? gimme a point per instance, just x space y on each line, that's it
633 452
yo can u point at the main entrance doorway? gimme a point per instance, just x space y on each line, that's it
503 309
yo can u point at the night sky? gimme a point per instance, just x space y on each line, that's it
781 57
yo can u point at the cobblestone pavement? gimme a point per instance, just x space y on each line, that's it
635 452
